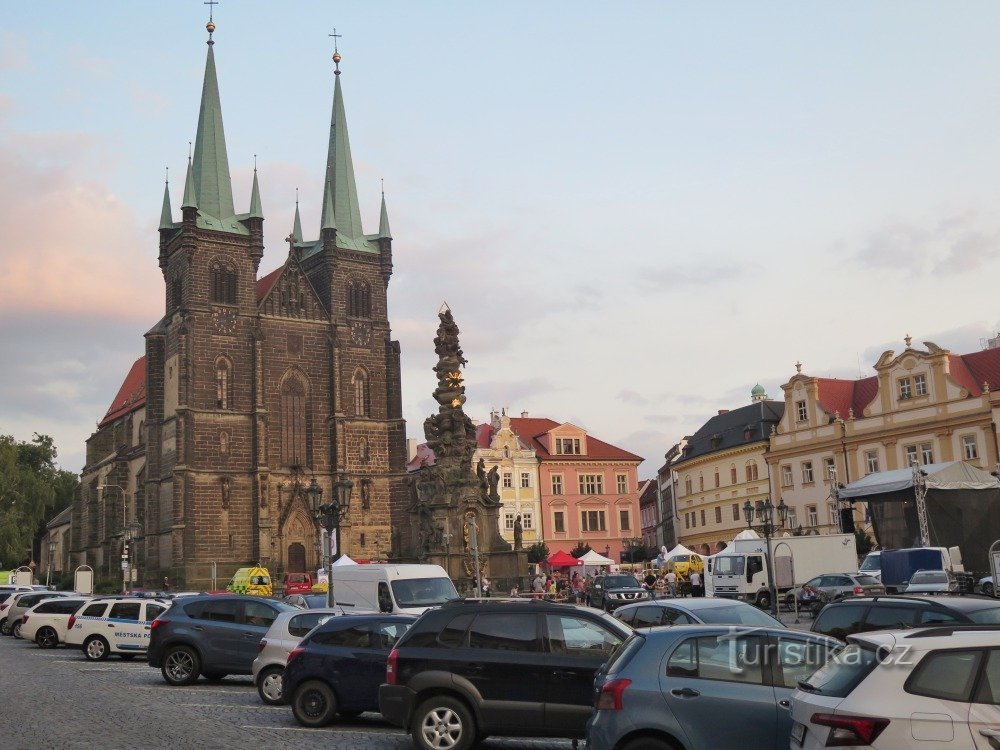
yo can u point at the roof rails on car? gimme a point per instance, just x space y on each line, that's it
952 629
498 600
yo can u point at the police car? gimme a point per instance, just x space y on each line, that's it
113 625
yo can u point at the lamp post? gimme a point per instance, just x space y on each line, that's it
52 552
329 515
764 512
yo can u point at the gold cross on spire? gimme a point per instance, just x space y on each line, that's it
210 26
336 53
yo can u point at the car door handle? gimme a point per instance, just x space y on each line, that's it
785 703
685 693
199 628
989 733
111 624
248 634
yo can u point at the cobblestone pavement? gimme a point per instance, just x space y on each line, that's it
57 699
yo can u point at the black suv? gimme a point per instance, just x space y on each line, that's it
214 636
608 592
472 668
859 614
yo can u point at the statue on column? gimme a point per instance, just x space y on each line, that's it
518 533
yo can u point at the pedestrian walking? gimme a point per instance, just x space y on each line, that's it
659 586
538 585
672 583
696 588
486 587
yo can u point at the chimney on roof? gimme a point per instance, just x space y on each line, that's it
723 411
524 415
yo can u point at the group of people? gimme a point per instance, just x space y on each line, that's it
557 586
661 585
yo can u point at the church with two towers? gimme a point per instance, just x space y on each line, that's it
253 386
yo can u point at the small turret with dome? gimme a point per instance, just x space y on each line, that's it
758 393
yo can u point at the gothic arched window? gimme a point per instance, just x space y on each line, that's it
223 287
362 395
359 300
751 471
223 384
293 423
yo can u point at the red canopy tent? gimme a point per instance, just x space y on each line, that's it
563 560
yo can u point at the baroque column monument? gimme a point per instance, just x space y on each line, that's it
449 495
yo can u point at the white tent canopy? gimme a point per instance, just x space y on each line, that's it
955 475
343 560
680 549
594 558
748 534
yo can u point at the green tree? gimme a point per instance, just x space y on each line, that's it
32 490
580 550
862 542
538 553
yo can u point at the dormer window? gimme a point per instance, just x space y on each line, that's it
905 389
920 385
801 413
748 432
568 446
715 440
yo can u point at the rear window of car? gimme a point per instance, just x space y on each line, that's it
947 675
840 620
95 610
300 625
125 611
867 581
889 618
453 634
623 654
737 614
929 576
844 672
988 616
504 632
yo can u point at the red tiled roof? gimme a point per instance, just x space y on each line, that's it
984 367
960 373
424 457
131 395
484 435
531 431
265 283
838 396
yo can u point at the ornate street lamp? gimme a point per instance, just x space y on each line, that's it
763 511
329 515
52 552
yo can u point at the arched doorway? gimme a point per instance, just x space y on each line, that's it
296 558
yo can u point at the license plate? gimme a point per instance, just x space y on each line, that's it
798 732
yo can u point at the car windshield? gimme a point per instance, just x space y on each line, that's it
988 616
736 614
872 562
729 566
929 576
314 601
620 582
844 672
423 592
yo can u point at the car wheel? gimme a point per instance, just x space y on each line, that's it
988 588
789 601
95 648
4 627
47 638
314 704
764 600
443 723
649 743
180 665
16 630
269 686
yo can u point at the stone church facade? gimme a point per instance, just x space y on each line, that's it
251 388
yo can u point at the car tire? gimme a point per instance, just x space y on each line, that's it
649 743
4 627
789 602
181 666
314 705
96 648
269 686
764 600
16 630
47 638
988 588
443 723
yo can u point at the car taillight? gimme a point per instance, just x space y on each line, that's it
850 731
858 591
294 654
4 606
24 619
261 645
391 666
610 697
155 624
70 622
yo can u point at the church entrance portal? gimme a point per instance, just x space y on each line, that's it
296 558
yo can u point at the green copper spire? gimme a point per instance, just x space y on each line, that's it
213 189
190 199
329 221
340 186
297 225
166 216
255 210
383 222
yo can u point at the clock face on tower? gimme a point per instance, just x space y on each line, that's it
225 321
361 333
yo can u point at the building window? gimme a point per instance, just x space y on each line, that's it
905 391
622 480
717 478
970 449
751 471
591 484
525 479
506 451
702 516
791 519
927 454
694 520
362 396
718 514
871 462
811 516
687 485
176 294
359 300
293 423
592 520
223 385
687 521
920 385
732 474
786 476
801 414
624 522
807 472
911 455
568 446
559 522
526 521
508 480
829 470
223 284
701 483
508 521
557 485
736 511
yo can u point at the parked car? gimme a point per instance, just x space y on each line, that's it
338 667
307 601
862 614
47 622
284 634
14 608
608 592
703 686
985 585
817 592
213 635
113 625
934 687
932 582
513 667
297 583
697 610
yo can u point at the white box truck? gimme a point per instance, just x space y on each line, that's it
408 589
741 570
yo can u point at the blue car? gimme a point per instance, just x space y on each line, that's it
338 667
690 687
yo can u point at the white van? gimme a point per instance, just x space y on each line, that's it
407 589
